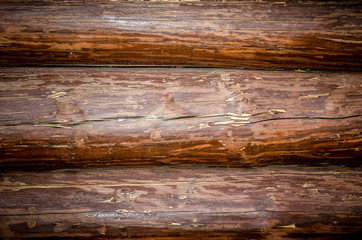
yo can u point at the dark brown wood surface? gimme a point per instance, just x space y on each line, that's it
225 203
244 34
89 117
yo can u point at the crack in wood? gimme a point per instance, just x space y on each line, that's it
122 118
176 212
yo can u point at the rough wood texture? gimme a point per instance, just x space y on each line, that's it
251 34
267 202
82 117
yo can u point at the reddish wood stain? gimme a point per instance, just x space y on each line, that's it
181 203
89 117
242 34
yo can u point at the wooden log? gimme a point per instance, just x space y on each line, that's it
244 34
86 117
146 203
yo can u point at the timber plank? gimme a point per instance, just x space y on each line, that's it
178 203
93 117
241 34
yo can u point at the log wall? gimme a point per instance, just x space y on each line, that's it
137 119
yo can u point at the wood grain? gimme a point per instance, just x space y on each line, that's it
91 117
225 203
243 34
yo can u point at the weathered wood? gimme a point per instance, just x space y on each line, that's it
82 117
178 202
245 34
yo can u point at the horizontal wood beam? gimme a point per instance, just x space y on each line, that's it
85 117
266 202
243 34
